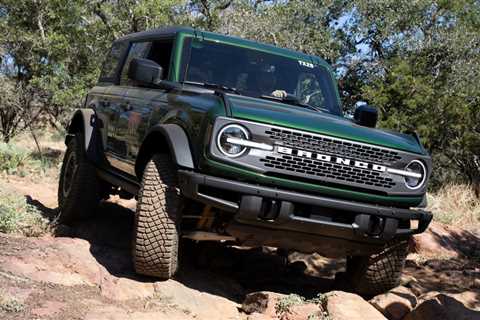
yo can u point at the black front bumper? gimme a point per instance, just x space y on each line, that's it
273 209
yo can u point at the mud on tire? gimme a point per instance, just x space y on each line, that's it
379 272
78 188
156 235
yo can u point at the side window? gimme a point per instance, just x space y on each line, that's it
137 50
112 61
161 53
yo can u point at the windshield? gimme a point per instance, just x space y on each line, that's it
255 73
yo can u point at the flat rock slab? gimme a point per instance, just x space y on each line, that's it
115 292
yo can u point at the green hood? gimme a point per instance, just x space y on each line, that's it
294 117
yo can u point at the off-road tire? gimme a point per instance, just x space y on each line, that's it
156 230
379 272
80 199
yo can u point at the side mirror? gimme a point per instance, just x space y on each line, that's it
145 71
366 116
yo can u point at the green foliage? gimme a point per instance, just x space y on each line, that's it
15 160
299 25
423 73
16 216
56 47
12 158
284 304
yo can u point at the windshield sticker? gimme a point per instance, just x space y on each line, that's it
306 64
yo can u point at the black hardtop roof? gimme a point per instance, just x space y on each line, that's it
154 33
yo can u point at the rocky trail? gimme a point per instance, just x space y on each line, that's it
86 273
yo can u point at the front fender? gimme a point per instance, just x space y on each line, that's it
165 138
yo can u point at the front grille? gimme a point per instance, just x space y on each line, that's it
305 141
321 170
322 160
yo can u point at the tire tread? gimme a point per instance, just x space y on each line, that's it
155 248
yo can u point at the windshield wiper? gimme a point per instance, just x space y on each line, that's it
213 86
291 99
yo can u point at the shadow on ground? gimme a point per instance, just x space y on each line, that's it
227 271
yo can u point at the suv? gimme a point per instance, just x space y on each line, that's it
225 139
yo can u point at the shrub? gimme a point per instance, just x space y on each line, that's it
15 160
12 158
455 204
16 216
284 304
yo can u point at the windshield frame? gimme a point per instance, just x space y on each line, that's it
335 108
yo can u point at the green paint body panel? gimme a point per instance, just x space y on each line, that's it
322 123
196 111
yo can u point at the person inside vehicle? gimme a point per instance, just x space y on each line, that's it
266 82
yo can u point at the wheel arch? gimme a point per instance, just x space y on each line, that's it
170 138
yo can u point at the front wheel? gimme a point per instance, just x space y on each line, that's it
156 231
379 272
78 187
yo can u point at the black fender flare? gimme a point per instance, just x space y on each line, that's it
83 120
178 145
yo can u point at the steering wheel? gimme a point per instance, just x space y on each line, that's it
309 97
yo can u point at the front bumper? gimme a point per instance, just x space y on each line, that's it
269 208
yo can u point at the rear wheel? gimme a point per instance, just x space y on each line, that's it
156 232
379 272
78 188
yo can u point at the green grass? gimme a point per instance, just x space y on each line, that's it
15 160
12 158
16 216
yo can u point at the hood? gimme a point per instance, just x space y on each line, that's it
299 118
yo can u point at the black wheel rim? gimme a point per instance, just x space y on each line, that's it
71 166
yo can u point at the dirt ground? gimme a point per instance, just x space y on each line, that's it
86 273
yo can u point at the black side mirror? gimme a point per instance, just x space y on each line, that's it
366 116
145 71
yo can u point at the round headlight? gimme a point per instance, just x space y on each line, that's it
417 167
234 131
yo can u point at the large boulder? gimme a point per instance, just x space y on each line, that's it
396 303
348 306
443 307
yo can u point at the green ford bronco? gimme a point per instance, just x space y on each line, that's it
223 139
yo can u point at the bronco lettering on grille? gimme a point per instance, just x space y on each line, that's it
328 158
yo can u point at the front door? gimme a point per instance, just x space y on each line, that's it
138 102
